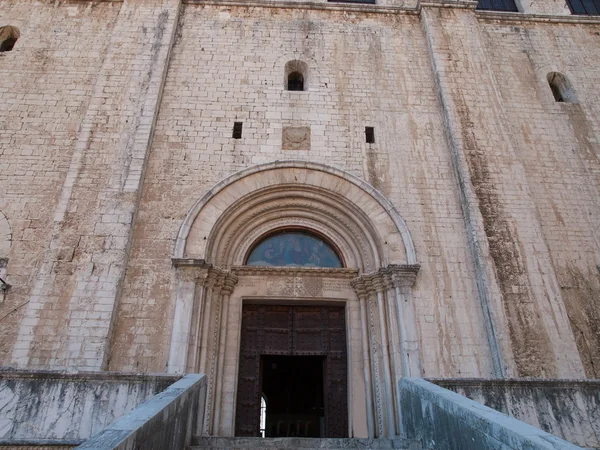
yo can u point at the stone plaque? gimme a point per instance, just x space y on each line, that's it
295 138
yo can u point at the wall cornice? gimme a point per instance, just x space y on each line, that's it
407 10
545 18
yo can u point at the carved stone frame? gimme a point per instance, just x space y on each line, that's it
212 284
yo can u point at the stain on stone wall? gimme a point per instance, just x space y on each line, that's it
581 295
530 342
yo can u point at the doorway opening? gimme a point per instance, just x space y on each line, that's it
293 366
292 387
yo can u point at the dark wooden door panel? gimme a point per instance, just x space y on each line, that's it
336 400
293 330
248 396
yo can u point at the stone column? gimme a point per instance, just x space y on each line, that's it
390 341
402 279
377 287
215 345
361 293
211 291
190 287
228 285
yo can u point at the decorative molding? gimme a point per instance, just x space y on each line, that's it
305 206
221 283
296 217
525 17
294 272
376 373
463 4
269 178
410 10
396 275
366 8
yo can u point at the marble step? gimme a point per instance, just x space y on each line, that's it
253 443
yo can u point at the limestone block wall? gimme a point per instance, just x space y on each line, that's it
365 69
45 89
534 178
558 145
66 296
115 117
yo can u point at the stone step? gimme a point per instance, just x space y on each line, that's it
253 443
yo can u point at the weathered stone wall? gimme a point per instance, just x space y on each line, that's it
534 179
364 70
69 407
168 420
442 419
564 408
497 183
47 83
558 146
86 176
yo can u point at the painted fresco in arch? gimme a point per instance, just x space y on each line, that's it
293 249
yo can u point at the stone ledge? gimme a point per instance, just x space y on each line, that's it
521 382
546 18
409 10
7 373
349 7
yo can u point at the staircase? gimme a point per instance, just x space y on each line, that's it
254 443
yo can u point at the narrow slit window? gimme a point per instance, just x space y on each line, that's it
237 130
370 135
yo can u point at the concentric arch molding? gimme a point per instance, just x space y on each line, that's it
358 220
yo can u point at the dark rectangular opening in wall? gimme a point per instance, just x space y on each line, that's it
584 7
498 5
370 135
237 130
352 1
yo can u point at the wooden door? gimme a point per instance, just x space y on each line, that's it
293 330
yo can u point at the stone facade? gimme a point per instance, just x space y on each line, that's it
469 228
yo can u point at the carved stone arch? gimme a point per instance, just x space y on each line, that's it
221 226
5 236
374 286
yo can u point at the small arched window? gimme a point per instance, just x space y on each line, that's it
561 88
296 75
8 37
293 248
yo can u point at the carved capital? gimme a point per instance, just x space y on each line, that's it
368 284
229 283
402 276
192 274
189 269
358 284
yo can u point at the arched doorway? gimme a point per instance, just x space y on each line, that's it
218 283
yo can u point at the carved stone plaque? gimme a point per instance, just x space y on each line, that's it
295 138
